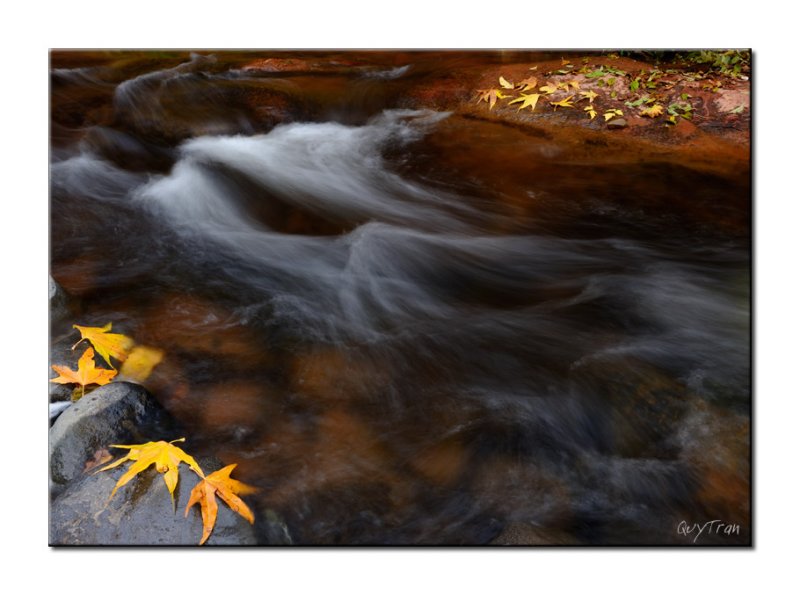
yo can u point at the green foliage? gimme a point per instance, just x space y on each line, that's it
726 62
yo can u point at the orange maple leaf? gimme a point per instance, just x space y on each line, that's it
528 83
490 95
219 484
86 373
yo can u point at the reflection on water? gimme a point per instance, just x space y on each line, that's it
408 326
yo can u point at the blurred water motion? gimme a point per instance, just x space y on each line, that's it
400 334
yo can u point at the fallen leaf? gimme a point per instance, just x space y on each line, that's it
140 363
163 455
527 100
652 111
108 345
574 84
590 95
611 113
549 88
737 110
100 456
491 95
219 484
638 102
86 373
528 83
590 112
566 102
505 84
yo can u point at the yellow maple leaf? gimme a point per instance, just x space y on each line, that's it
163 455
86 373
566 102
140 363
108 345
610 113
574 84
490 95
219 483
527 100
505 84
549 88
590 95
590 112
652 111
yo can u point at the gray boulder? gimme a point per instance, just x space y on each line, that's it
59 301
141 512
117 413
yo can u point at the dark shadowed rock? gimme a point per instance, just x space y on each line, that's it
141 512
112 414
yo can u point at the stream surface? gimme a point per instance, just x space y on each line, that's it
407 326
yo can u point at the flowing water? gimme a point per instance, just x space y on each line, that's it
405 325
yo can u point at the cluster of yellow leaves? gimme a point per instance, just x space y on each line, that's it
604 75
138 361
525 98
166 457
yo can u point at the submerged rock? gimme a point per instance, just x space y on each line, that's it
617 124
141 512
112 414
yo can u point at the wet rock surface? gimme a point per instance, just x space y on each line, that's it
141 512
117 413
